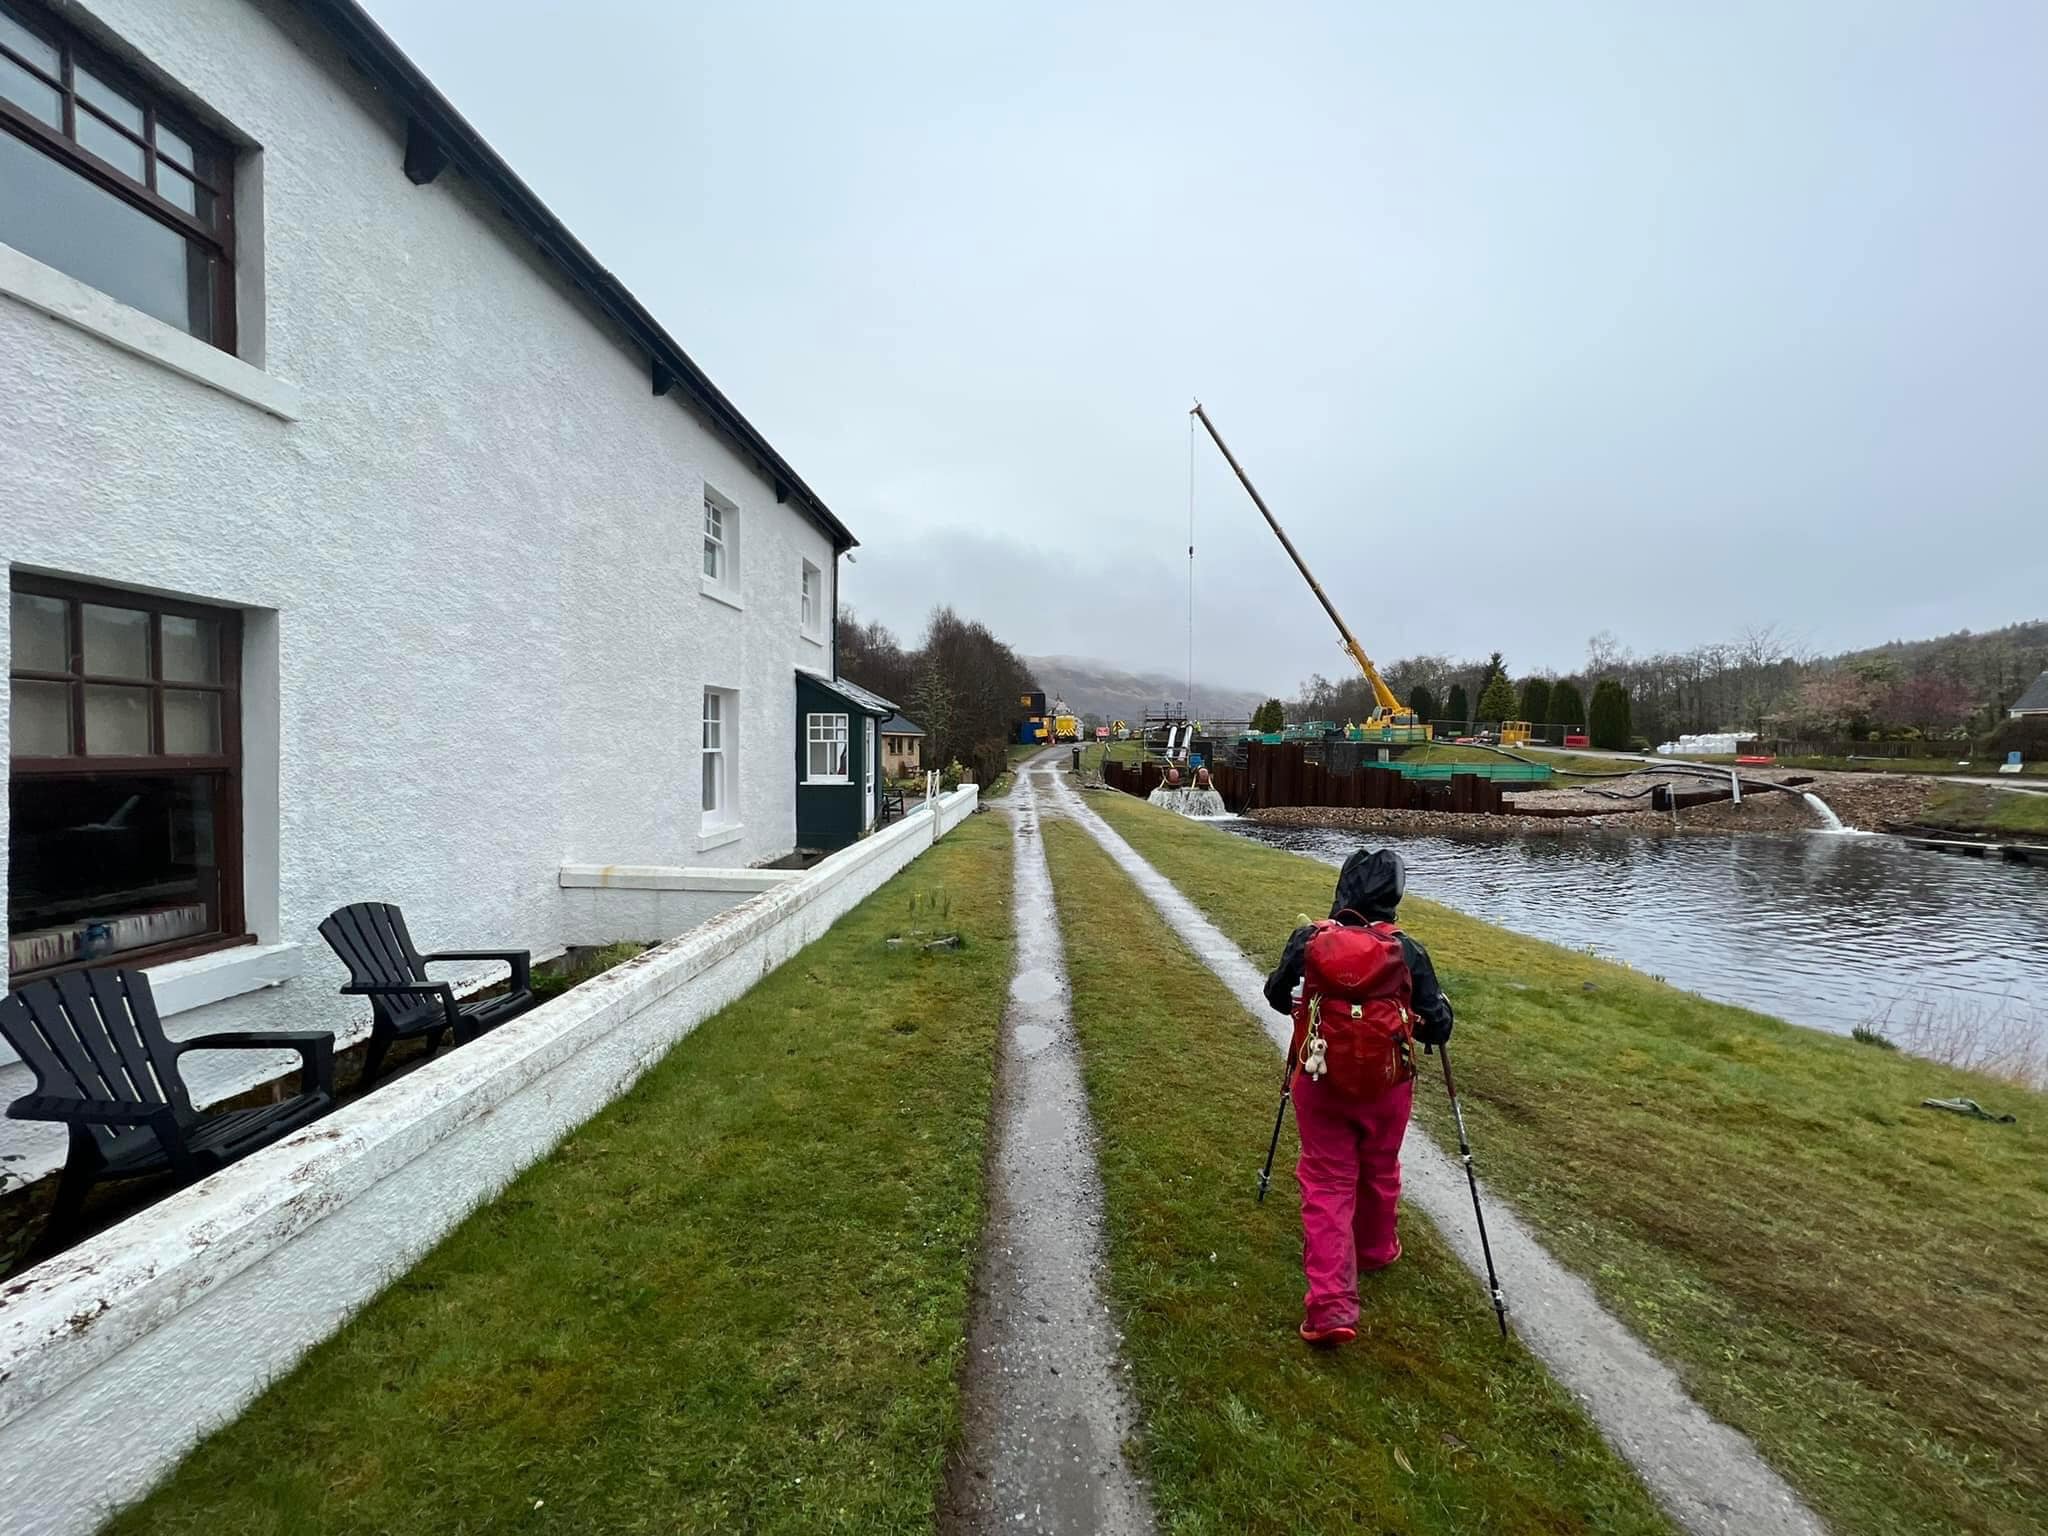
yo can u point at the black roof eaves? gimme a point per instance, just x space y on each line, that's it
387 66
851 693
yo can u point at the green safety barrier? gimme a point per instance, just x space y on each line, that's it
1516 773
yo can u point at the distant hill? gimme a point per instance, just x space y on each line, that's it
1999 662
1097 688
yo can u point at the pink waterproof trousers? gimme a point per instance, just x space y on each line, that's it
1350 1173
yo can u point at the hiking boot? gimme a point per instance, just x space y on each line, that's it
1328 1338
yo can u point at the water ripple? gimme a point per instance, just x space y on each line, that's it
1827 931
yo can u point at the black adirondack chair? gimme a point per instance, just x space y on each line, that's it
405 1002
105 1069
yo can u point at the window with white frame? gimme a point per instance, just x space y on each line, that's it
825 749
814 599
721 778
721 539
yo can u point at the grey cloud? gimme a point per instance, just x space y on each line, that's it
1530 321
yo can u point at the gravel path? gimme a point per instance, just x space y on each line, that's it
1047 1405
1708 1477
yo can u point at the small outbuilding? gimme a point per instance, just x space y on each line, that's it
838 760
2034 702
902 747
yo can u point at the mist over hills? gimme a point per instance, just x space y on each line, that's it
1098 688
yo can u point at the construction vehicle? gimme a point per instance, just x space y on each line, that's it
1066 726
1033 726
1391 721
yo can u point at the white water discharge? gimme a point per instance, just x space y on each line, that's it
1828 819
1188 802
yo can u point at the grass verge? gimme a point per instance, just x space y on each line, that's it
1980 808
1917 765
1426 1424
734 1300
1852 1280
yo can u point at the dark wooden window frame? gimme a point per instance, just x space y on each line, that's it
224 768
217 178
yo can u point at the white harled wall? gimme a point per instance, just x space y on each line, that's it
472 562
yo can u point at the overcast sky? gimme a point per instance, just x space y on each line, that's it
1528 319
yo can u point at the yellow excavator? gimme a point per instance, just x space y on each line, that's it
1391 720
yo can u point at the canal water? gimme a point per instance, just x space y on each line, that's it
1943 954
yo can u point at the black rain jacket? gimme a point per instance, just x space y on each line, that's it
1370 884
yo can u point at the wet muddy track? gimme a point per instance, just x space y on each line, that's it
1047 1405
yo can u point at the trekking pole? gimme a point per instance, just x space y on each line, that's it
1500 1306
1286 1090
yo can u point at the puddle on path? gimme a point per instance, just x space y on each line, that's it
1030 1039
1047 1407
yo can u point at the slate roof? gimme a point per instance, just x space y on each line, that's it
2035 700
899 725
867 703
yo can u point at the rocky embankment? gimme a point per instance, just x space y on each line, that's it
1872 801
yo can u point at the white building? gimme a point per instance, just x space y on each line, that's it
365 539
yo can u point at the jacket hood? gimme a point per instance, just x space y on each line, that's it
1371 883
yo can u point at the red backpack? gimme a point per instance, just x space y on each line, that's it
1355 1019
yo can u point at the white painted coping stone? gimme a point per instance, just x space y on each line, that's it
118 1356
670 877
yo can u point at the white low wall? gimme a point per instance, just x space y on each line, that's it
609 903
117 1357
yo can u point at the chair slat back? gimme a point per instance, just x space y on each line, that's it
371 940
95 1036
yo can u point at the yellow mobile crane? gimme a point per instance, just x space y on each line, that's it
1391 720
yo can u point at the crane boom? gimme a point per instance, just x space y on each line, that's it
1382 694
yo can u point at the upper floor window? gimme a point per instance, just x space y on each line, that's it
720 516
106 179
124 747
814 599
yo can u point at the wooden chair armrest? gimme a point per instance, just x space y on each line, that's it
521 961
55 1106
315 1048
440 989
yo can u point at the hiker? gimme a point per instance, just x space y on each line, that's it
1368 992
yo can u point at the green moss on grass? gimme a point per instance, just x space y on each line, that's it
1426 1424
1980 808
733 1301
1852 1280
1954 764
